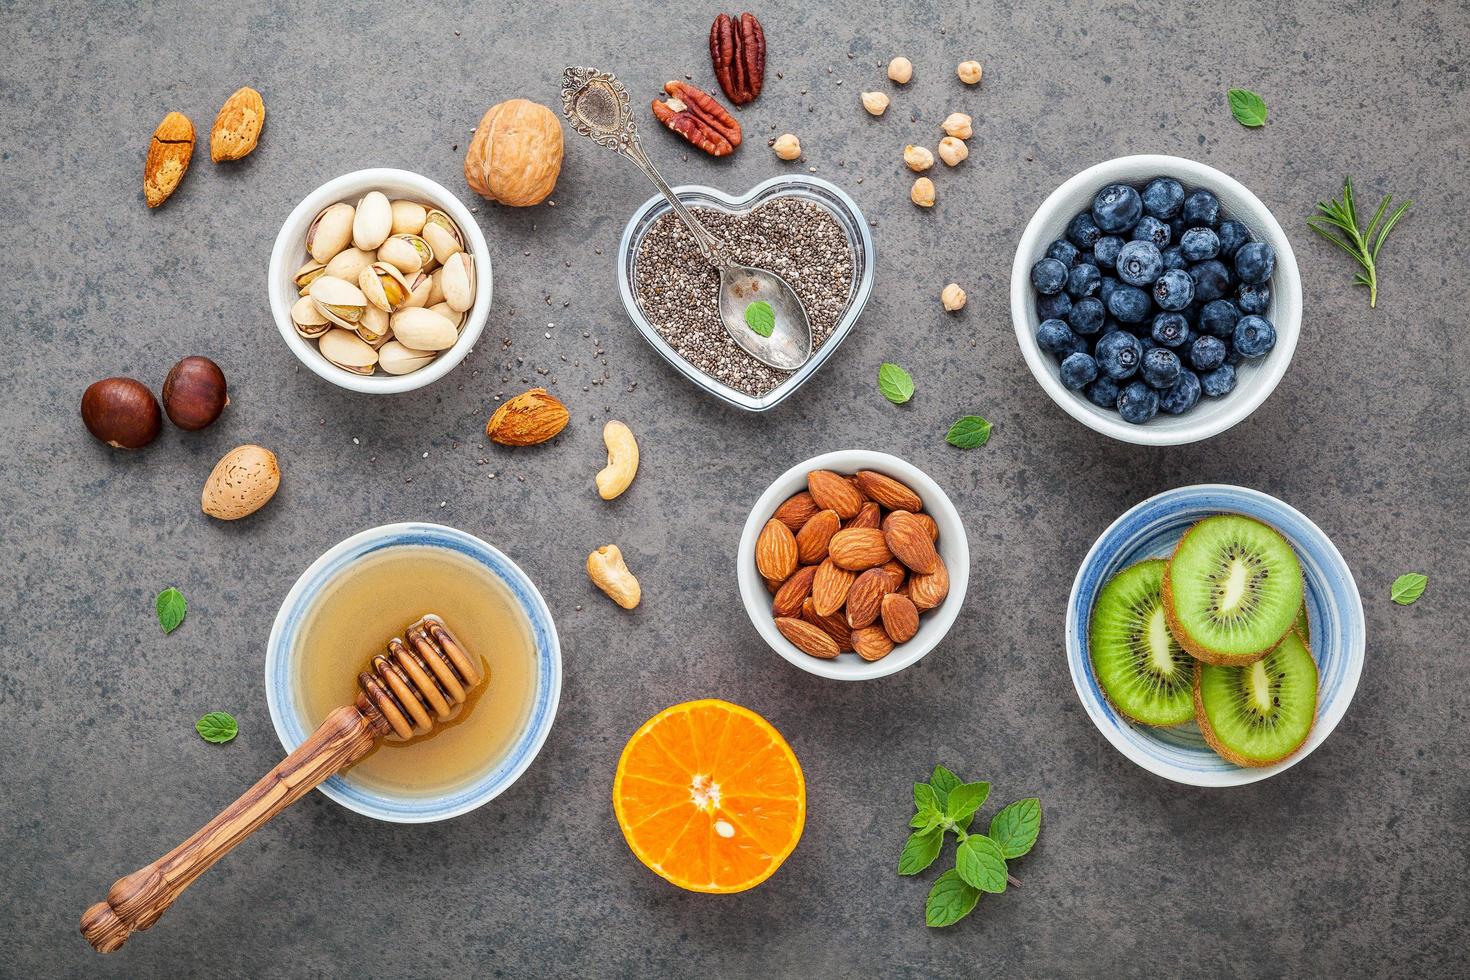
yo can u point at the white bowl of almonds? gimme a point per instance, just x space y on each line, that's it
380 281
853 565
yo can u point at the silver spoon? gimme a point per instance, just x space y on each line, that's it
598 107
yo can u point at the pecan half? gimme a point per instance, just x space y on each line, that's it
696 116
737 46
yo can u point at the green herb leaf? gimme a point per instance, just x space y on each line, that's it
1248 108
925 819
1408 588
170 606
924 798
965 799
217 727
1015 827
1342 216
943 781
950 900
981 864
760 317
895 384
920 850
969 432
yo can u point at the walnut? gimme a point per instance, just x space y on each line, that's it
515 155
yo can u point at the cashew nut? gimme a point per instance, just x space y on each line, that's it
622 460
607 571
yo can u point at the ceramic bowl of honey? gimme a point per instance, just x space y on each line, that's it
370 587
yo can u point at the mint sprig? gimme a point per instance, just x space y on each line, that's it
946 805
171 607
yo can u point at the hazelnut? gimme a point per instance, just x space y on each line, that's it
969 72
786 146
957 124
953 297
901 69
918 158
194 393
922 193
122 413
952 150
875 102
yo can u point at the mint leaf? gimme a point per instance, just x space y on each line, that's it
1248 108
924 798
1408 588
1015 827
170 606
950 900
981 864
964 800
969 432
920 850
217 727
924 819
760 317
943 781
895 383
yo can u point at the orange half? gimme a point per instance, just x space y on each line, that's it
710 797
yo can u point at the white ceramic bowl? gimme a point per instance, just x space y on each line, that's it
289 254
953 547
1255 380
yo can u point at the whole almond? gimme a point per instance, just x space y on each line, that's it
888 491
909 542
237 127
795 511
833 492
865 598
772 586
871 643
900 617
830 587
811 540
527 419
924 520
168 158
858 548
928 591
775 551
794 592
897 572
868 516
834 625
807 638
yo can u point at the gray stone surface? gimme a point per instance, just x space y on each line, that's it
1353 863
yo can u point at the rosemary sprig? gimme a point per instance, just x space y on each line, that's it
1362 245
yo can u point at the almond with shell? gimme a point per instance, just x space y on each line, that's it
237 128
169 153
775 551
528 419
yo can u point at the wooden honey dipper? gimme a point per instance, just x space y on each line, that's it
406 691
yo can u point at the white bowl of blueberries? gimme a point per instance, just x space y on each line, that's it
1156 299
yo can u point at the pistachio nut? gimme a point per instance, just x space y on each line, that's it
424 329
394 358
346 350
458 280
373 221
384 286
449 313
374 327
306 274
436 287
442 235
307 319
330 231
419 285
407 253
338 300
408 217
348 264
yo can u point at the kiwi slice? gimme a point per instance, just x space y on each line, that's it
1302 626
1141 668
1232 590
1261 713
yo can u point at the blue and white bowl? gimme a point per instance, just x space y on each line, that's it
280 671
1334 613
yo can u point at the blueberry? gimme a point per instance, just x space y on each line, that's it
1160 367
1162 197
1201 208
1078 371
1233 234
1169 329
1174 258
1182 396
1191 312
1117 207
1255 262
1219 317
1138 403
1083 231
1105 252
1057 307
1207 353
1147 342
1253 297
1199 244
1129 303
1211 280
1085 258
1220 381
1049 276
1174 290
1151 229
1177 228
1055 337
1118 354
1232 356
1063 251
1109 283
1103 392
1139 263
1087 316
1254 336
1083 280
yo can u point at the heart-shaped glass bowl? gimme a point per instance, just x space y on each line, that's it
825 194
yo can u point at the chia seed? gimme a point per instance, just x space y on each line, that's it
678 291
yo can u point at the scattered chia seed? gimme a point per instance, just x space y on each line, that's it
678 291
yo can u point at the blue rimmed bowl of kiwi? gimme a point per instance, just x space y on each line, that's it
1215 635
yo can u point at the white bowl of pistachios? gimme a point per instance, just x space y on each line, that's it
380 281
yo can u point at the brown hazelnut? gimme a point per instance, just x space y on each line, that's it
121 412
194 393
